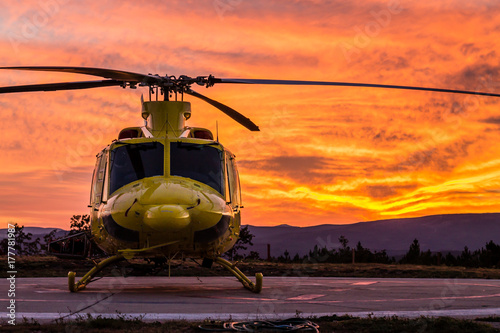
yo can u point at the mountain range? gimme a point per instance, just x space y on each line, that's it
438 233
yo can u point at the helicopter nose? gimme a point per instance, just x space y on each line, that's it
167 218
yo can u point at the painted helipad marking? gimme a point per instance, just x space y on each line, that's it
364 283
304 297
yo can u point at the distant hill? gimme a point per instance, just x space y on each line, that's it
444 233
438 233
37 232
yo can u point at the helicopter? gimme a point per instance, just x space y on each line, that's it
166 189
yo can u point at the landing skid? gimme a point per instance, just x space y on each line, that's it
87 278
245 281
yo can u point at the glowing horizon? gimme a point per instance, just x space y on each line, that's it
324 154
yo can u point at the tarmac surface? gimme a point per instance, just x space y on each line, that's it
193 298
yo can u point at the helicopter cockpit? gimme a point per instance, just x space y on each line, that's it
129 162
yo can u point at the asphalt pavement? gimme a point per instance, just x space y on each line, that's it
199 298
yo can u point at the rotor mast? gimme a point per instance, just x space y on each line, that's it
166 118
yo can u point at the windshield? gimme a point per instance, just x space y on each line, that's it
132 162
200 162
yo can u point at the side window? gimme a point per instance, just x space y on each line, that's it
94 179
238 185
98 178
233 180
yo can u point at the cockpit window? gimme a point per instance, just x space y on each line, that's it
200 162
132 162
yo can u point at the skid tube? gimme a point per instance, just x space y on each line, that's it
245 281
86 279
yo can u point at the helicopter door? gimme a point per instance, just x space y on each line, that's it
233 182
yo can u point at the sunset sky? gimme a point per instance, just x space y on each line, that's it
324 154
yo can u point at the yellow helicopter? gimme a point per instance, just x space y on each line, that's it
165 189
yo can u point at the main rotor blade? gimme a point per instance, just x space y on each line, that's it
348 84
102 72
227 110
60 86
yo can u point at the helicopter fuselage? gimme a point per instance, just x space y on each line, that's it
162 195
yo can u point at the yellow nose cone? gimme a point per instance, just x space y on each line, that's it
167 218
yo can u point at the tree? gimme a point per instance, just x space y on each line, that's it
22 239
286 256
343 241
253 255
50 236
4 245
34 247
413 254
426 258
467 258
47 238
23 244
244 239
450 260
79 223
362 254
382 257
490 256
344 254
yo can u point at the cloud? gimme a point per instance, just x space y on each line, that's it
387 191
469 48
492 120
43 194
480 76
293 166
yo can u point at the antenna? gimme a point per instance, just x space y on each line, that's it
217 130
